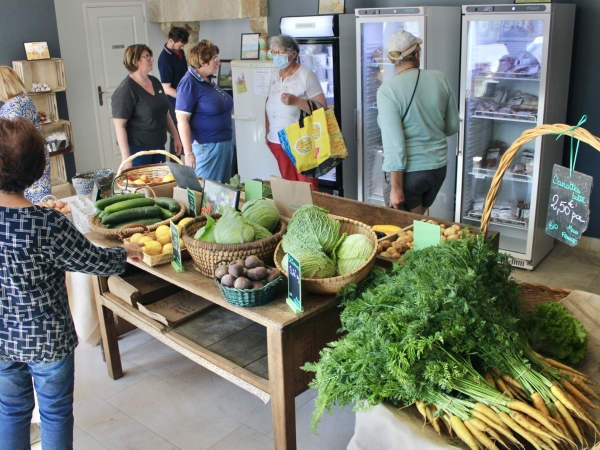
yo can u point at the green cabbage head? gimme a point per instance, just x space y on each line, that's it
232 228
260 232
207 232
313 262
311 224
353 252
262 212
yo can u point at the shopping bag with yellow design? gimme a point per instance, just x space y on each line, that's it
306 142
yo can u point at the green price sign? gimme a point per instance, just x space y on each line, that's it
294 299
176 263
191 202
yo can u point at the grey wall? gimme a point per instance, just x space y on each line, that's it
36 22
225 34
584 88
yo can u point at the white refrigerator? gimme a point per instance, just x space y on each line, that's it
250 86
514 76
439 27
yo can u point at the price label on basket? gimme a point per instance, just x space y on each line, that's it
96 191
191 202
294 299
176 263
569 205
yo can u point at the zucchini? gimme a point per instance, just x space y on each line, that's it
168 203
166 214
143 212
101 214
103 203
149 221
129 204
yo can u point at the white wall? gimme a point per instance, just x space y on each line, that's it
225 34
81 94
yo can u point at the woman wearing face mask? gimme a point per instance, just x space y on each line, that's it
204 116
290 88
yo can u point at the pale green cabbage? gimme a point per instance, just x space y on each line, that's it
313 262
207 232
353 252
262 212
260 232
311 224
232 228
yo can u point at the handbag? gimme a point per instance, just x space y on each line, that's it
306 142
337 146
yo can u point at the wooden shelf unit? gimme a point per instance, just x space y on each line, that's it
50 71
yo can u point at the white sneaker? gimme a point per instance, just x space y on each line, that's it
35 433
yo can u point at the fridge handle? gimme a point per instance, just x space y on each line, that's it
458 137
236 117
356 124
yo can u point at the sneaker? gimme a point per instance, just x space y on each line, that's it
35 433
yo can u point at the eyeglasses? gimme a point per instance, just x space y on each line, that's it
147 57
279 52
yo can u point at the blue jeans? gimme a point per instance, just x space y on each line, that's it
54 383
146 159
214 161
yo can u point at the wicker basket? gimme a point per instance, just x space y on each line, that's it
158 260
96 224
207 254
84 182
534 294
248 297
335 284
150 170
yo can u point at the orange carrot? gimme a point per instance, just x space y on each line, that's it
578 395
582 386
540 404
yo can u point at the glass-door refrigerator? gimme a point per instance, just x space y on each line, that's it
514 76
318 39
439 27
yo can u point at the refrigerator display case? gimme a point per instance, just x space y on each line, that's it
439 27
515 76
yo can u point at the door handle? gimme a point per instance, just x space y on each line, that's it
100 92
237 117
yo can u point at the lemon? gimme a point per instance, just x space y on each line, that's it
168 178
164 238
167 248
144 239
184 221
152 248
163 229
138 181
135 238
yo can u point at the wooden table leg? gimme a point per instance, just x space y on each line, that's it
108 332
281 383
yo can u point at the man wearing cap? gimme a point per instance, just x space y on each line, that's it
416 112
172 66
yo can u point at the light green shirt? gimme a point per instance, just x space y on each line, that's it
418 142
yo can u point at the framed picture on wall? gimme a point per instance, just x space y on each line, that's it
36 50
250 46
224 79
332 6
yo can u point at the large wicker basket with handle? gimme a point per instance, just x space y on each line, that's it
152 171
335 284
207 254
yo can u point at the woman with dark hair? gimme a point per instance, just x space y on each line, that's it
37 336
17 103
140 110
204 116
290 88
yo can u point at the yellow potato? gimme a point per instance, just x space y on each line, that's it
185 220
145 239
167 248
163 238
135 238
163 229
152 248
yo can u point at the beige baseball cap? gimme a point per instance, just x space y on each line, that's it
403 42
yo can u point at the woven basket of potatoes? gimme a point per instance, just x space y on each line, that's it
157 247
394 246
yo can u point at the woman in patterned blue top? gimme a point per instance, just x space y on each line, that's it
37 335
18 104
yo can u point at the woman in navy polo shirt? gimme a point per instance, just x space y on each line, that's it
204 116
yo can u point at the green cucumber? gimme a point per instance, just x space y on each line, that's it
168 203
166 214
129 204
149 221
143 212
103 203
101 214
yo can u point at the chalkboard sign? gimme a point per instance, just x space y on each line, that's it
569 207
191 202
176 263
294 299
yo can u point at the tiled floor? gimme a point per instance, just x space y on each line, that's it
165 401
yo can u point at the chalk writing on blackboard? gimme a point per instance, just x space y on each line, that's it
294 299
568 206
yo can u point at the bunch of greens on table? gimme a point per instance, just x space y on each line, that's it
425 331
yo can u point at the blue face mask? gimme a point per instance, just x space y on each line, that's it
281 61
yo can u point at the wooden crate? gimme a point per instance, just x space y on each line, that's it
56 127
58 170
46 102
50 71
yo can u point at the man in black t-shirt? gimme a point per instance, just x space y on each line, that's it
172 66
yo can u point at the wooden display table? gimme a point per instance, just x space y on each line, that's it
265 359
